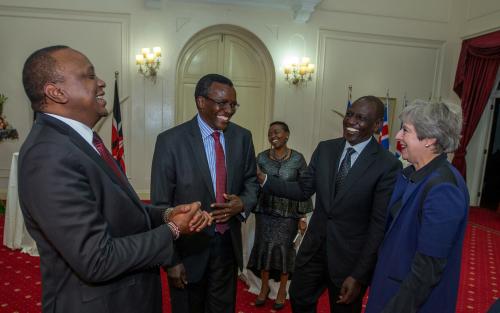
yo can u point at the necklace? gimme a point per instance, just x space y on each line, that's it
280 159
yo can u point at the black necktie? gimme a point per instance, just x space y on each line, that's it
345 166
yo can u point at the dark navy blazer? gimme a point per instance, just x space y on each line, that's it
433 226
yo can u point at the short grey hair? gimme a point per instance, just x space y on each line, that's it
439 120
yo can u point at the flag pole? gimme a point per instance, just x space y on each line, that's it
383 138
116 130
349 96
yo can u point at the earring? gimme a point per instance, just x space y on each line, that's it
427 146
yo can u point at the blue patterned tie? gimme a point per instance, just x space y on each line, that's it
345 166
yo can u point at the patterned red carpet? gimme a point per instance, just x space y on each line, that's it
20 285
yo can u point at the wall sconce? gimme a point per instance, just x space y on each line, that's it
149 62
298 73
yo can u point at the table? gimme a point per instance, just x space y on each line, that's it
15 235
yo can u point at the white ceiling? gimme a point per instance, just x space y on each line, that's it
301 9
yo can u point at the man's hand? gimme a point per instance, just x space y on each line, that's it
261 177
177 276
349 291
224 211
302 225
200 220
189 218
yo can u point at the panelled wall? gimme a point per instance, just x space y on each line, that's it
373 64
103 36
403 45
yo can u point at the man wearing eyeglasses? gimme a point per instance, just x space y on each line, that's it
211 160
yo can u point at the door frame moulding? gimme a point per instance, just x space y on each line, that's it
479 166
386 40
242 34
52 14
121 19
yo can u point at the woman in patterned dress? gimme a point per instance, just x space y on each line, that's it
277 219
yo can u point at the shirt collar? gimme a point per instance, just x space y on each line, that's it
205 129
82 129
357 147
416 176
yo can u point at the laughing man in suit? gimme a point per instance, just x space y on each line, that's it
353 178
212 160
100 248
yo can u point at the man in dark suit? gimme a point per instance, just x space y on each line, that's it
100 248
212 160
353 178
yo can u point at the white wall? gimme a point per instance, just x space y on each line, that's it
403 45
23 30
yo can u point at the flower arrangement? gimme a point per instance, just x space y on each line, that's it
6 131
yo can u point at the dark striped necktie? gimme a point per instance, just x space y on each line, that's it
345 166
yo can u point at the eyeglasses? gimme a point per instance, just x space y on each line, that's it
222 104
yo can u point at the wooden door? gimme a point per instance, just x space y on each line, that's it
233 56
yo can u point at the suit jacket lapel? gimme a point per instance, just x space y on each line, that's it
199 155
364 160
409 191
91 153
334 165
230 156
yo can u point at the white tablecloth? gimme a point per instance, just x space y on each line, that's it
15 235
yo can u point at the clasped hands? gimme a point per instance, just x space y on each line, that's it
221 214
189 218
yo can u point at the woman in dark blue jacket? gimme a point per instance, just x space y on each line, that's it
418 267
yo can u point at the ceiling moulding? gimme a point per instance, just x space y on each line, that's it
302 9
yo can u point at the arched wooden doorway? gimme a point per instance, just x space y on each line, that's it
238 54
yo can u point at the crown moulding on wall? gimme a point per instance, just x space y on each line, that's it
302 9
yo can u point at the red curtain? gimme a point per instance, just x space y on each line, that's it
476 72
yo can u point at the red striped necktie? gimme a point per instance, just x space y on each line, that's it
220 178
107 157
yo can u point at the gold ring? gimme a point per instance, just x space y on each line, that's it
225 215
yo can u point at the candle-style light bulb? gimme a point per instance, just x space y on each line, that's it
157 51
139 59
150 57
